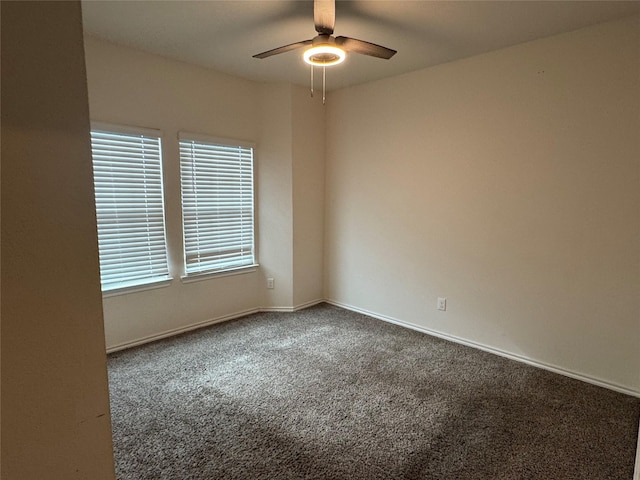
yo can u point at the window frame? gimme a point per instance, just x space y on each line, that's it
151 281
208 140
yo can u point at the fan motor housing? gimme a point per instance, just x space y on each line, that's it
324 51
324 57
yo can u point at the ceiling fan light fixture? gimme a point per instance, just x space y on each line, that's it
324 55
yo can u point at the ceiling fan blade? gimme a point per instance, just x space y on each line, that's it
286 48
324 16
365 48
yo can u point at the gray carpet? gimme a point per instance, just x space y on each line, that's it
330 394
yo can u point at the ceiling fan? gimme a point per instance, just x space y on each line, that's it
327 50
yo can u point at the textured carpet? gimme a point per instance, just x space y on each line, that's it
330 394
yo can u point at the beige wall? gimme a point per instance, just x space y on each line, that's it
291 196
55 404
308 196
275 202
507 183
130 87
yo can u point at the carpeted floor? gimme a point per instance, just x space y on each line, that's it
330 394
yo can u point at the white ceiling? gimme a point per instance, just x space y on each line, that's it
223 35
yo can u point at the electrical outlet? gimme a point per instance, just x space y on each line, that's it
442 304
269 282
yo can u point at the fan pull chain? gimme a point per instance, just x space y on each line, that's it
311 81
324 79
324 83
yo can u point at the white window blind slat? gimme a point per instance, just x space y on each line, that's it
217 205
129 208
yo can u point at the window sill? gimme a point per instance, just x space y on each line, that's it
198 277
124 290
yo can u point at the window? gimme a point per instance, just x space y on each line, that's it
217 205
127 171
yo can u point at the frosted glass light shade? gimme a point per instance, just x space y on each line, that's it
324 55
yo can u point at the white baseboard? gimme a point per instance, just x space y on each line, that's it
206 323
452 338
294 308
178 331
496 351
308 304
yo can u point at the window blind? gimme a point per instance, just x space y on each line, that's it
217 205
127 170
